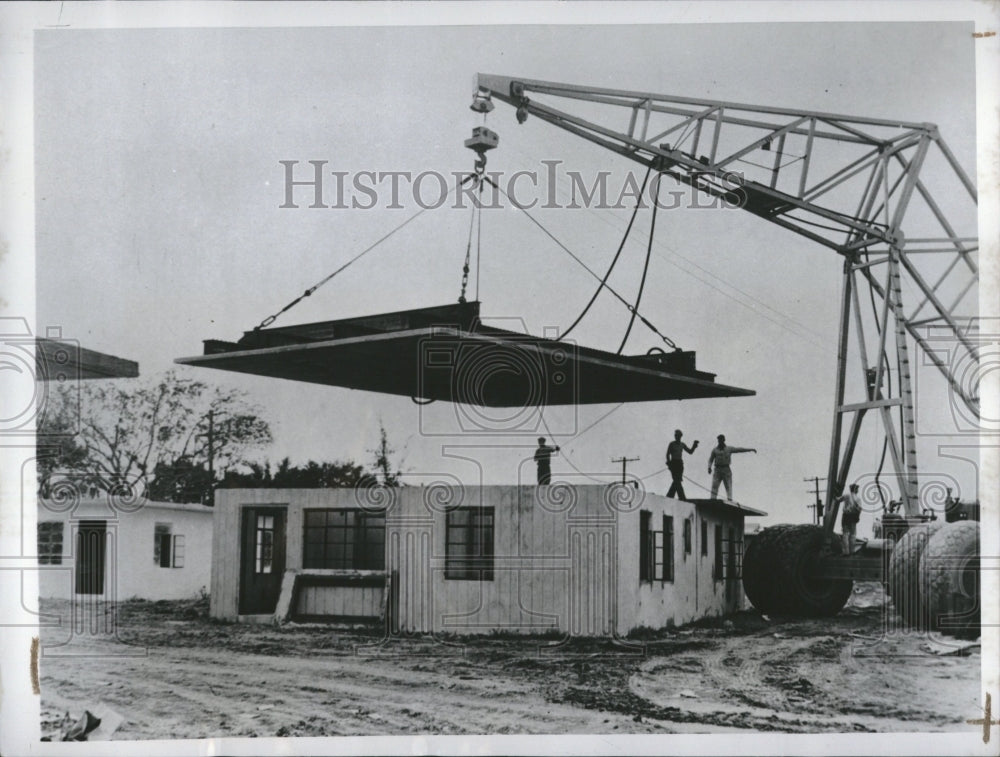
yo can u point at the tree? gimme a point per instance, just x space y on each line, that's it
121 435
312 475
182 481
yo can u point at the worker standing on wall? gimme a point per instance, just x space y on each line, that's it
720 458
675 462
543 458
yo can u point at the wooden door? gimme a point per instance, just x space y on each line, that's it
262 560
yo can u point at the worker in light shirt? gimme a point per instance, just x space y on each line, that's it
719 459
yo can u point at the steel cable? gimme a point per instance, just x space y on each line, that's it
308 293
614 261
667 340
645 267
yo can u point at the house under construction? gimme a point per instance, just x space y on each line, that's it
581 560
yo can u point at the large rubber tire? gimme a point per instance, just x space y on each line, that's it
759 565
949 579
903 579
894 526
799 593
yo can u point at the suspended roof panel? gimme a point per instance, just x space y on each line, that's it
58 360
447 354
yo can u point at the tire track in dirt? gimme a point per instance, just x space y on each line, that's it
809 681
202 679
169 696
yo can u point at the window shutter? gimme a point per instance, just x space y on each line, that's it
668 548
645 567
178 551
162 545
50 546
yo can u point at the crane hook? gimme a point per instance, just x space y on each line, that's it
482 139
480 164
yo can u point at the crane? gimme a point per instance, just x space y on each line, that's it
888 197
855 186
844 182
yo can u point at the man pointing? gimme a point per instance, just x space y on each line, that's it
720 458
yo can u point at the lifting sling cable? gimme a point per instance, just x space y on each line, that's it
645 267
479 237
706 277
271 318
667 340
468 253
475 218
628 230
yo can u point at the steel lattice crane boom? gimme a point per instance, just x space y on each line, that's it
845 182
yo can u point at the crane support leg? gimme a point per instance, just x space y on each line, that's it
833 473
908 482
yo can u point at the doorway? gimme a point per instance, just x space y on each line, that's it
91 544
262 561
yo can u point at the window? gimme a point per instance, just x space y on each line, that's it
346 539
161 544
687 537
731 571
656 549
264 544
168 548
645 546
50 543
717 570
668 549
704 536
468 545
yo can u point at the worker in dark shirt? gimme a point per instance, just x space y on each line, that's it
675 462
543 458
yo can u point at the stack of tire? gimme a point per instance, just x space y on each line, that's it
777 575
933 577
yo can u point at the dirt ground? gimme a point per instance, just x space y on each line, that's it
174 673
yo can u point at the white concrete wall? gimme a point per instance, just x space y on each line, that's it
566 558
694 592
554 563
229 505
130 571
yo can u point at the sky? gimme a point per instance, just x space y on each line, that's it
158 224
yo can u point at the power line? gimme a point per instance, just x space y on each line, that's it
624 461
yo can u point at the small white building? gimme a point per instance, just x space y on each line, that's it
583 560
104 549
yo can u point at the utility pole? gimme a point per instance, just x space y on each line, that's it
624 461
210 442
818 507
211 448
